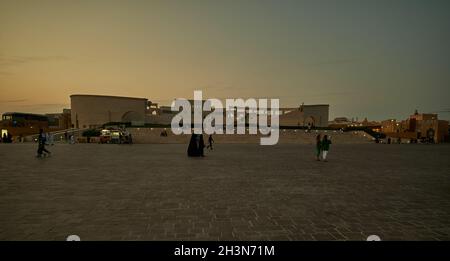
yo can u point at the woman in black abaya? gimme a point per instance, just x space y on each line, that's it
192 148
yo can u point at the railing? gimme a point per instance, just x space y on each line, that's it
59 134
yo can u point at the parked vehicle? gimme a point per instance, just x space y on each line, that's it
114 136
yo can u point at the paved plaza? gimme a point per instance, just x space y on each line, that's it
237 192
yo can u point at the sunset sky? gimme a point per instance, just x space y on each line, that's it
378 59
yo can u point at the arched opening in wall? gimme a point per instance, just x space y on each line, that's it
131 116
309 122
430 135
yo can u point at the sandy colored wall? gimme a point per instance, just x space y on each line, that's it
319 113
93 111
297 117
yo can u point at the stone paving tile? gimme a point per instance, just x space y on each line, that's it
237 192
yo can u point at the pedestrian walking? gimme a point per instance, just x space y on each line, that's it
325 147
210 142
318 147
41 145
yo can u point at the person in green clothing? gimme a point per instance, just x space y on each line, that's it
325 147
318 147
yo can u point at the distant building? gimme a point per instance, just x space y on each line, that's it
340 123
305 116
60 120
22 124
419 126
344 122
92 111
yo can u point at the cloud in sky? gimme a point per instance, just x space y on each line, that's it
9 62
13 101
32 108
6 61
331 94
333 62
442 111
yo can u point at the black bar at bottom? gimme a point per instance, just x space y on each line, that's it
230 249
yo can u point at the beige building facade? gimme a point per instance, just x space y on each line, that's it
92 111
305 116
418 126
